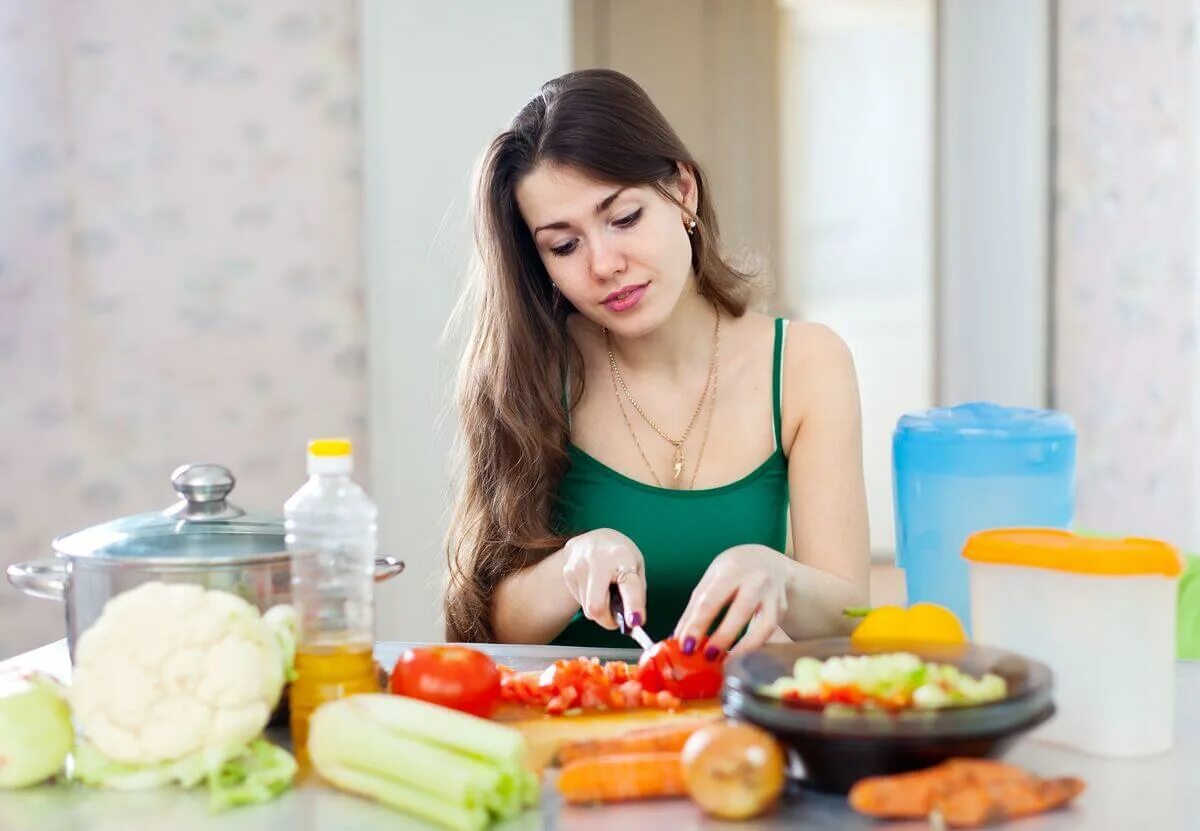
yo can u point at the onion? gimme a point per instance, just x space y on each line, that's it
733 770
35 731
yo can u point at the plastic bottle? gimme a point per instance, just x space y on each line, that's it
330 524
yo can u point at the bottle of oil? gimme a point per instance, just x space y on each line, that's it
330 524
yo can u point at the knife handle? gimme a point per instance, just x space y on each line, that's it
617 607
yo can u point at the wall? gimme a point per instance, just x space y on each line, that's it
995 89
180 270
1126 236
432 102
857 166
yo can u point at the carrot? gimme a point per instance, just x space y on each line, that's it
910 795
665 738
966 792
975 806
621 777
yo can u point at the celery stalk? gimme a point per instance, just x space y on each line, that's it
339 735
531 789
462 732
408 799
440 764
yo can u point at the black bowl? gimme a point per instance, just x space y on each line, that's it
836 750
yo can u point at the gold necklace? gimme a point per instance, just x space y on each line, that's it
678 458
712 406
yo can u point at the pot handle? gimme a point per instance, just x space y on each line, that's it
385 568
40 578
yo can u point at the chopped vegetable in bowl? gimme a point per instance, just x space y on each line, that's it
890 681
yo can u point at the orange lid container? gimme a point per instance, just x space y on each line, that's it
1059 550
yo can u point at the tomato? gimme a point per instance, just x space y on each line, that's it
582 684
665 668
849 695
452 676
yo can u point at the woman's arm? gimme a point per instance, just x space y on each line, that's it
828 495
536 603
533 605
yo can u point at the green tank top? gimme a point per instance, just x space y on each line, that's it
679 532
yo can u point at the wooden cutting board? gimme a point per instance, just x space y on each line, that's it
546 734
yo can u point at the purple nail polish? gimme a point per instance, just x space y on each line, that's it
635 619
711 653
689 645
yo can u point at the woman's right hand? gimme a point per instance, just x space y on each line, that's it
594 561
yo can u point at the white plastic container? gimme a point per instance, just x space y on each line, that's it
1101 614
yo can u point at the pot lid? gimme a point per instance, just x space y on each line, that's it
203 527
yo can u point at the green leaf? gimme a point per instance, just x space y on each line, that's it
258 774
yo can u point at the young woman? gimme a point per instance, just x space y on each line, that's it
626 420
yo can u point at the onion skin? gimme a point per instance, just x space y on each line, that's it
733 770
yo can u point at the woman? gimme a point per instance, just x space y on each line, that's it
626 420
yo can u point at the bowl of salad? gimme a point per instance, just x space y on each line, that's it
850 711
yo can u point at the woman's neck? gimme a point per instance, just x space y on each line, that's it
679 346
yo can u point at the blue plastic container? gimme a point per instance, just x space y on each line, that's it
958 470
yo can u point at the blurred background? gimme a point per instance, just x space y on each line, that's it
228 226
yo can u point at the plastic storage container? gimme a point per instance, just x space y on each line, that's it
1101 614
968 468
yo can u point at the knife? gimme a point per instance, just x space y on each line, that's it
617 607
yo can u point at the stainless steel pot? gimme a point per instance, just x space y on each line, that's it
202 539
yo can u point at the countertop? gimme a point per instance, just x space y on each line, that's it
1159 792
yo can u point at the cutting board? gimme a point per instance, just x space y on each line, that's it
546 734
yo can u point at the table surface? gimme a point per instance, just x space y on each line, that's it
1158 792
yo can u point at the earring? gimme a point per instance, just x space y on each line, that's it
690 225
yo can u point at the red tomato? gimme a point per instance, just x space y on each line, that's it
850 695
452 676
665 668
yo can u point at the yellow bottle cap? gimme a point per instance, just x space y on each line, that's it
330 447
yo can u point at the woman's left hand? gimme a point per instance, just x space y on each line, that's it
752 581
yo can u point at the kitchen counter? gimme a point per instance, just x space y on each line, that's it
1153 793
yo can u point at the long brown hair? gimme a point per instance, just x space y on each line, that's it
514 427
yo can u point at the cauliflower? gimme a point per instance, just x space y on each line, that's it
171 670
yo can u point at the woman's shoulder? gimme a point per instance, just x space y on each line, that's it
807 345
818 374
813 345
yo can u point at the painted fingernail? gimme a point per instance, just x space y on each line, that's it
689 645
711 653
635 619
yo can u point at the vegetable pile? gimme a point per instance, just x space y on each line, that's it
731 770
893 681
444 766
577 684
173 684
663 679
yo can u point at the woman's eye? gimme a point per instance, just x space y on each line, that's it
629 220
564 249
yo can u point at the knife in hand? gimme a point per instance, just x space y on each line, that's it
617 607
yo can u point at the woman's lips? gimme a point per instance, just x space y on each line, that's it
625 299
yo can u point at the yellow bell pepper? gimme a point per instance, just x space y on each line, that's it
925 622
